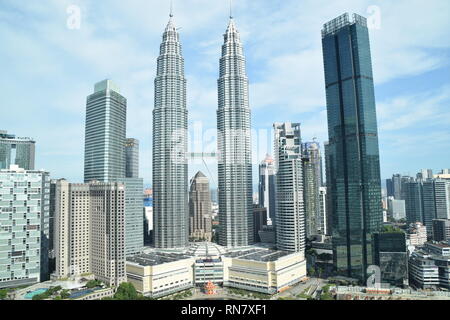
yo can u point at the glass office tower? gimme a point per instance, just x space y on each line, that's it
18 151
354 181
266 188
132 158
106 121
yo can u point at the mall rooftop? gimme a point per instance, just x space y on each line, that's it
258 254
156 258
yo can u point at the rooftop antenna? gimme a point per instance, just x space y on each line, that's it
231 9
171 9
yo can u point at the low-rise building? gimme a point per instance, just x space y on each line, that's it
158 273
263 270
429 266
94 294
391 255
438 248
417 234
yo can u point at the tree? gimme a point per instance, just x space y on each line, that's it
65 294
93 283
3 294
391 229
311 271
126 291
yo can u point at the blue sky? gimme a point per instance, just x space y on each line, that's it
47 70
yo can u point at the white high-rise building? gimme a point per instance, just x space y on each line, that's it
425 174
396 208
323 218
108 232
90 230
170 124
24 226
442 198
290 211
72 240
234 145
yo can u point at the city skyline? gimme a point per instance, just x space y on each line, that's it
310 202
406 86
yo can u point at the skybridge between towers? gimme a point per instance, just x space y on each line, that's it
201 155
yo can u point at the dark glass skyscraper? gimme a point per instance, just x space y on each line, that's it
354 181
132 158
266 188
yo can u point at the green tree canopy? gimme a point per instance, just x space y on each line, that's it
391 229
3 294
126 291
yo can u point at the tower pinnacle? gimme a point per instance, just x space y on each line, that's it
231 9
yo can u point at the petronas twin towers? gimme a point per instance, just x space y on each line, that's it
234 145
170 130
170 125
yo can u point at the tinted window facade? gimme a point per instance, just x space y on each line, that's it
354 180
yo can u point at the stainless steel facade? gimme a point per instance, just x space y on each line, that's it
170 121
234 145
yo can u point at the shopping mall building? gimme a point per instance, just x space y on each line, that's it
156 273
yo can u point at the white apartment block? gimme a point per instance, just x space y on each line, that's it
72 229
108 232
90 230
417 234
24 226
290 211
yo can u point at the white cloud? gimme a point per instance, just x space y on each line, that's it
282 41
415 111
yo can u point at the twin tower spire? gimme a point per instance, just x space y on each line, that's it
170 130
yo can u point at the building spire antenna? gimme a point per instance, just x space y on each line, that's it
171 9
231 9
